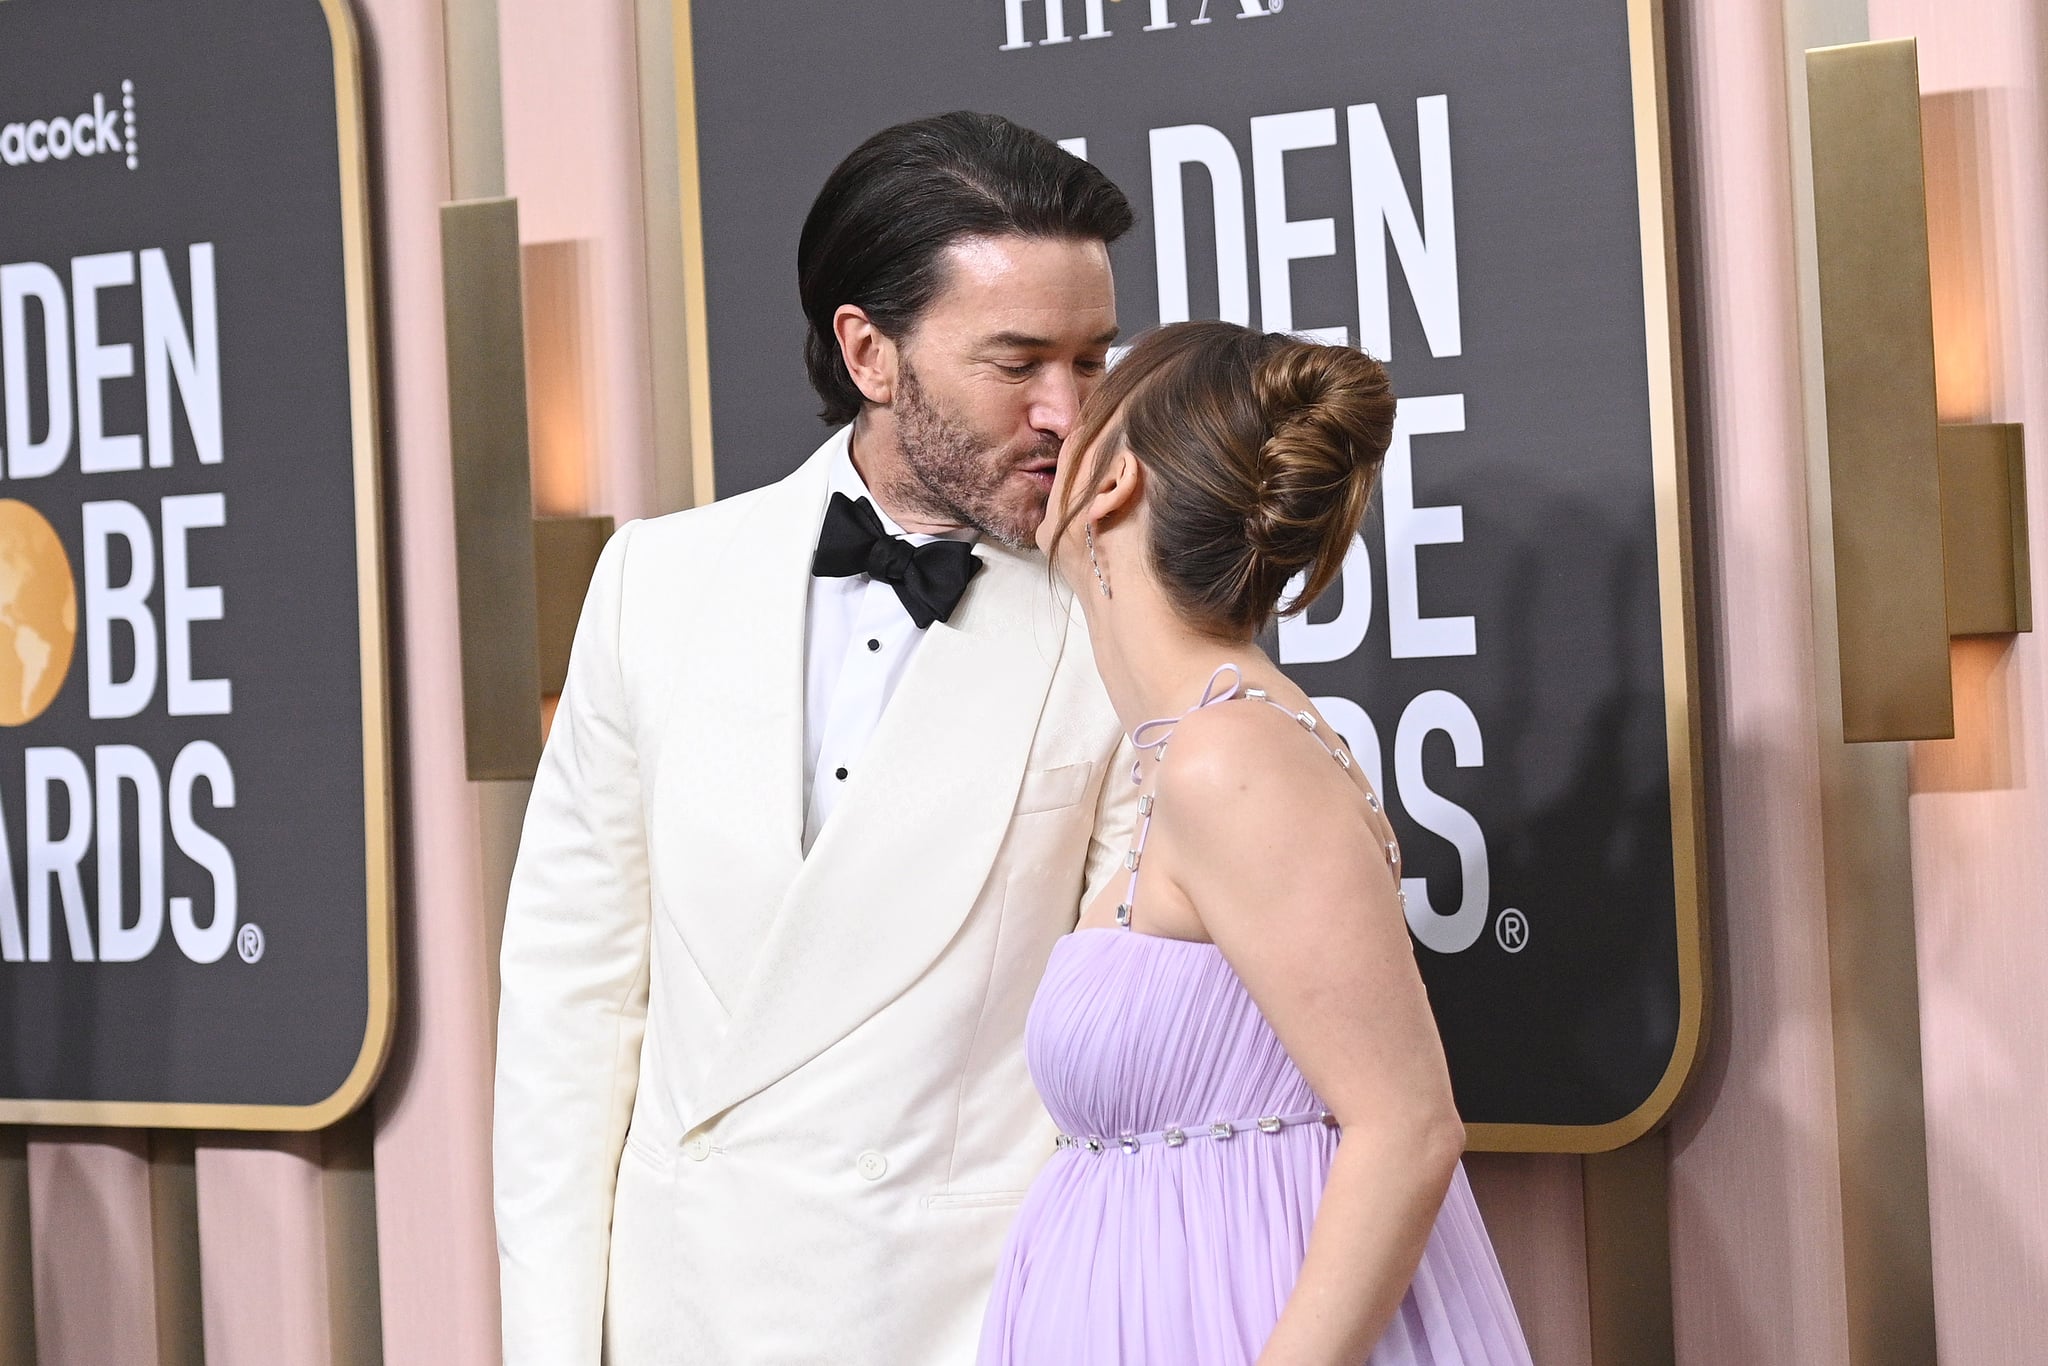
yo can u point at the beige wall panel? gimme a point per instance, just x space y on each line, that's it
572 158
115 1275
437 1259
1534 1206
1755 1204
283 1270
1980 801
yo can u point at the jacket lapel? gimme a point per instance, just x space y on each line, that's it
731 777
911 842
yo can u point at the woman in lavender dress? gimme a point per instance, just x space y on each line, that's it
1259 1160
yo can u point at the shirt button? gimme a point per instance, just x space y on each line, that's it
874 644
698 1148
872 1165
840 774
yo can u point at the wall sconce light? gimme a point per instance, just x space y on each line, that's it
1930 521
520 579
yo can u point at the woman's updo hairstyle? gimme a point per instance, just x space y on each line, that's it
1260 452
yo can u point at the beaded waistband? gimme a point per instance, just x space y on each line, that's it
1222 1131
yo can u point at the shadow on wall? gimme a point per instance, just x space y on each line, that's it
1968 137
1984 1074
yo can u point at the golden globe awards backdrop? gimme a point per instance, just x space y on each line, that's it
195 886
1475 194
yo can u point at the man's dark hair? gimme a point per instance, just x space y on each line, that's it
876 232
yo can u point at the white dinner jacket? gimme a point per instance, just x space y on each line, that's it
753 1106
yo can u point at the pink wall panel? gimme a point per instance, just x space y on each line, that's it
102 1291
437 1252
263 1252
1980 801
1534 1206
572 159
1755 1204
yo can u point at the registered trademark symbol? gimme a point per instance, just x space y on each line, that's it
249 943
1512 930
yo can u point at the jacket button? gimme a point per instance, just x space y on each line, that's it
872 1165
698 1148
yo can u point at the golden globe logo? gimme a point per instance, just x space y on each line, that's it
1162 15
38 613
132 613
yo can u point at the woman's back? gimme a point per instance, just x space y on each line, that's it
1174 1218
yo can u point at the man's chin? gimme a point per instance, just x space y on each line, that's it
1014 520
1023 529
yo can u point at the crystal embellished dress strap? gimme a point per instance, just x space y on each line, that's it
1160 731
1162 728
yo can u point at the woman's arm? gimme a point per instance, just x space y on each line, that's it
1288 872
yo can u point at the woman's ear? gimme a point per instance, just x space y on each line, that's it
1117 491
870 356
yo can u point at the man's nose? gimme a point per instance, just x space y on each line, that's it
1057 403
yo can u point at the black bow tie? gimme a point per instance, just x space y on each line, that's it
928 579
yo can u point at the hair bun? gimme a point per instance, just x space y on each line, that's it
1260 452
1329 416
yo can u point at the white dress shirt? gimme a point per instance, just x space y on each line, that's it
857 647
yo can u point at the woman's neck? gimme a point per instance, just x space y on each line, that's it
1153 663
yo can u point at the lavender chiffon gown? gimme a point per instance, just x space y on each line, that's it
1170 1228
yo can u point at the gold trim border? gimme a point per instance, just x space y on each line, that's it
696 307
1654 197
380 871
1647 65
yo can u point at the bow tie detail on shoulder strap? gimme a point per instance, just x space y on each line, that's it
929 579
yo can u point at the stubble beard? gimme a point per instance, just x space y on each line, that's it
954 474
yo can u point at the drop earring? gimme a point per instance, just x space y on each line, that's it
1095 564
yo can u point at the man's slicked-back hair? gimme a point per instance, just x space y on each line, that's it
877 231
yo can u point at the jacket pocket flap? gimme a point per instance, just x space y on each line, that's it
1047 789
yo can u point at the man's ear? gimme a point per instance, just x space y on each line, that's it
1118 490
871 358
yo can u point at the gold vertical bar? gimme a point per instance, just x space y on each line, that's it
1628 1253
1877 344
661 195
476 115
1880 1100
348 1189
174 1248
1984 528
2017 530
565 552
493 487
696 309
17 1267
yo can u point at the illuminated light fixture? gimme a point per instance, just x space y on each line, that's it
1929 520
520 579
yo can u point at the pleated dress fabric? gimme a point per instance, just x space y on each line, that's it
1185 1256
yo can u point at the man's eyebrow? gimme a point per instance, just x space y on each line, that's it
1024 342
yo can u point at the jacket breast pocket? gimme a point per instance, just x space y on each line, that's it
975 1200
1048 789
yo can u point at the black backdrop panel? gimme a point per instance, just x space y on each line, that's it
1499 642
212 939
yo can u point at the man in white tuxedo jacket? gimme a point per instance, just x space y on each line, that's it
831 774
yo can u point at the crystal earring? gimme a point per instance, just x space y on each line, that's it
1094 563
